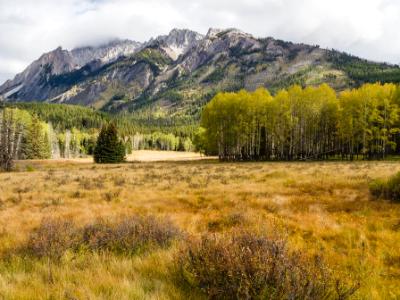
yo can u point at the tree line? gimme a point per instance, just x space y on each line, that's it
39 132
139 130
63 116
303 123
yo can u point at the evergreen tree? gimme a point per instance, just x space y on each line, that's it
36 141
109 148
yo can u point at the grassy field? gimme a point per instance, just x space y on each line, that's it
149 156
321 208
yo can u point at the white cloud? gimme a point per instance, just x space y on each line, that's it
368 28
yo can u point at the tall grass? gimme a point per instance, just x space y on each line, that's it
65 218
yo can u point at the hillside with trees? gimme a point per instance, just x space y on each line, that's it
362 71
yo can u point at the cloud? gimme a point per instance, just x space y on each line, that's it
368 28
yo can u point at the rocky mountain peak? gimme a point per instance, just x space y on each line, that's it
230 32
218 43
178 41
106 52
183 36
213 32
61 61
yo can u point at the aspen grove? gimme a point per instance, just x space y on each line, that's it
303 124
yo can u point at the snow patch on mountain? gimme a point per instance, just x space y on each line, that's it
13 91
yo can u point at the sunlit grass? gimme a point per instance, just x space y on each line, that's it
322 208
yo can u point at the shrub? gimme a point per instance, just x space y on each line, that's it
393 188
129 235
388 189
53 237
30 168
377 188
126 236
250 267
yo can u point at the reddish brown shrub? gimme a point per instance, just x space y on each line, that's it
130 234
250 267
53 237
127 235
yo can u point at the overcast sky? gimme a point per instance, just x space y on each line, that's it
28 28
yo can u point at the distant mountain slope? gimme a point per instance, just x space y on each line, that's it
177 73
34 82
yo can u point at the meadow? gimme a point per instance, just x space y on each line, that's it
321 208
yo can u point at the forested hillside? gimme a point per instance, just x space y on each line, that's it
363 71
64 116
303 123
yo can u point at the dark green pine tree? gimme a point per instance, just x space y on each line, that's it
36 141
109 148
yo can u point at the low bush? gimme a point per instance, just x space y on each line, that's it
250 267
128 235
53 238
387 189
377 188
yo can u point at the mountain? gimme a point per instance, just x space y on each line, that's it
32 83
177 42
175 74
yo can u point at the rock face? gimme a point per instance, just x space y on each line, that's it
105 53
177 42
177 73
218 44
31 84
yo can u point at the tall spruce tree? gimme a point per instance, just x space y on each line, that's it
109 148
36 141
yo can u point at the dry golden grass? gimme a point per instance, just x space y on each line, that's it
149 155
321 207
